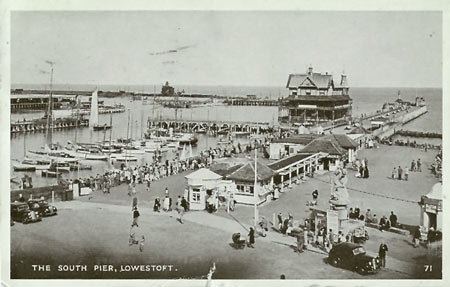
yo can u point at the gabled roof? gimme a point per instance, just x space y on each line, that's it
247 172
288 161
326 145
343 140
225 169
317 79
204 174
359 130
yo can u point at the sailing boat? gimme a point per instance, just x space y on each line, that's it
93 120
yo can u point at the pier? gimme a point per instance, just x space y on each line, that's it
40 125
252 102
211 126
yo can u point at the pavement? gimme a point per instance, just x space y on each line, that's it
231 225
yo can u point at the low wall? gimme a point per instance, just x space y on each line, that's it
61 193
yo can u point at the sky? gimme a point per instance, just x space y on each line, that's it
374 49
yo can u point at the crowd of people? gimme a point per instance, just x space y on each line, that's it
362 168
403 173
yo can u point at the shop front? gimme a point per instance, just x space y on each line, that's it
431 208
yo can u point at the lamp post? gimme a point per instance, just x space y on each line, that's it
254 188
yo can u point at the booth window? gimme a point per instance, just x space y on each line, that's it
196 194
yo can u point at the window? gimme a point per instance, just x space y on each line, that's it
245 189
308 92
196 195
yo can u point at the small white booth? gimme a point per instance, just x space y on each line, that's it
199 184
431 208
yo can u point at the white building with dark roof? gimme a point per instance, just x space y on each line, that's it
315 98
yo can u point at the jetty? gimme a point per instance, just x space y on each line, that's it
212 126
252 102
40 125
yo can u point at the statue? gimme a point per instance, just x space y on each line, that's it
339 194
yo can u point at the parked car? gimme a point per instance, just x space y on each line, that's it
42 207
21 212
353 257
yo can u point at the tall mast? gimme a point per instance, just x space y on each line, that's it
50 106
255 194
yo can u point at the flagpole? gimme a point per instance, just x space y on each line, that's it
254 188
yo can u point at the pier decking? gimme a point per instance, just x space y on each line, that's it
40 125
252 102
214 126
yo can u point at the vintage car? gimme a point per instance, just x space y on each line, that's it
42 207
353 257
21 212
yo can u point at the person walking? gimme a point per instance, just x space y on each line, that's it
419 165
393 219
394 173
157 205
300 242
382 253
141 244
406 173
400 172
413 165
416 237
136 215
148 183
184 204
280 220
251 238
132 237
315 195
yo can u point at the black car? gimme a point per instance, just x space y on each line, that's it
21 212
353 257
42 207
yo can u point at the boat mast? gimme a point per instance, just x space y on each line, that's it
50 106
110 135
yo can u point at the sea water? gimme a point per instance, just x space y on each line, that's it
134 121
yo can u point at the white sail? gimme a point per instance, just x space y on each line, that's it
93 120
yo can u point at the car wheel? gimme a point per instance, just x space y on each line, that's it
335 261
361 270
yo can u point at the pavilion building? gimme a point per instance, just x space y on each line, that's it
315 98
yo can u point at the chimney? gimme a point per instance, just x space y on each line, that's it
310 70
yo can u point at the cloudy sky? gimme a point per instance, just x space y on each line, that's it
375 49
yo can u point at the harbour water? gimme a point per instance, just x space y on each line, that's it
365 100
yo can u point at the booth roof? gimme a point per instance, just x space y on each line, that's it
247 173
204 174
329 145
224 169
436 191
288 161
359 130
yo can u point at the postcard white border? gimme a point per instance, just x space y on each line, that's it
128 5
